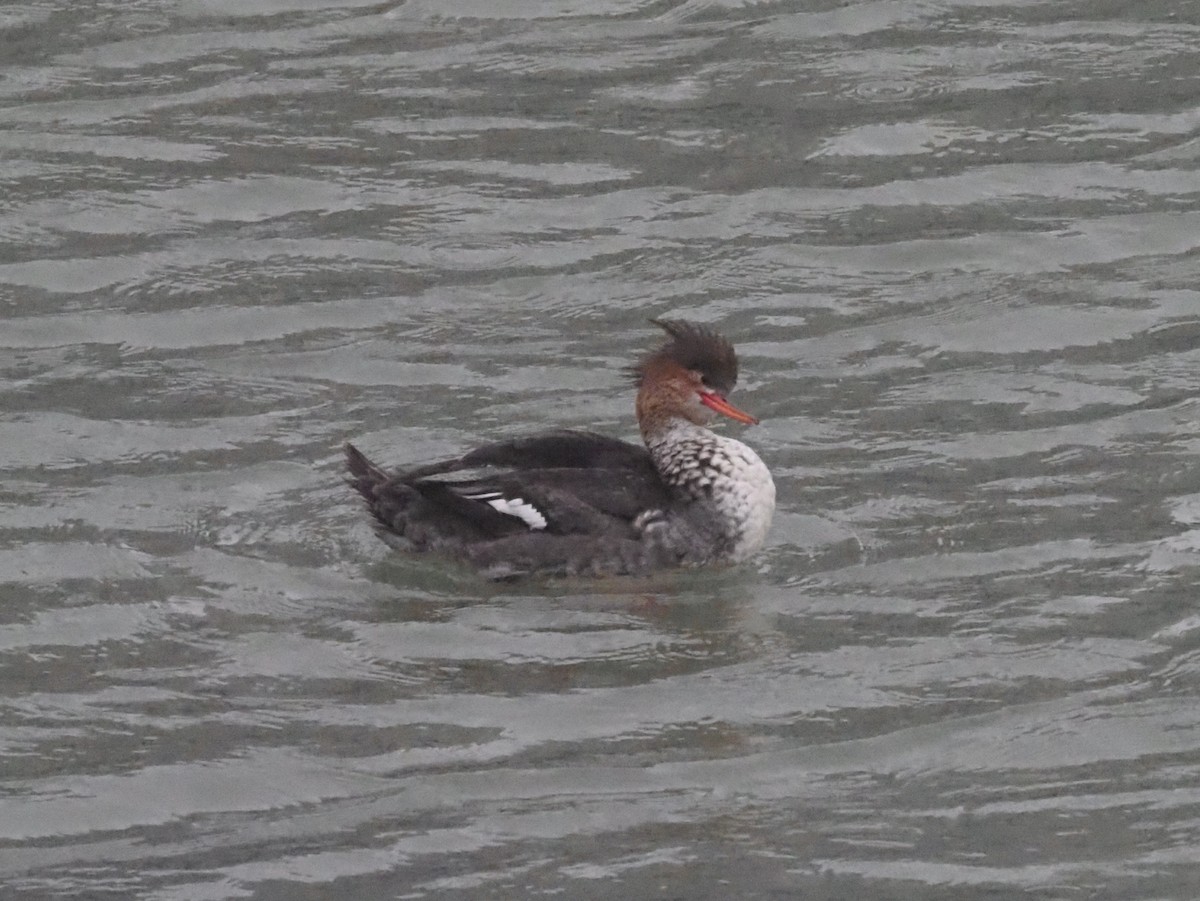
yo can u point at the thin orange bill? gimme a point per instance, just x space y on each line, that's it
725 408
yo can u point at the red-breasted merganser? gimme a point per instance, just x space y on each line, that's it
572 502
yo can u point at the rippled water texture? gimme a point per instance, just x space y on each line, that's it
958 245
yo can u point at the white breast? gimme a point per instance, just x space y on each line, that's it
724 474
746 495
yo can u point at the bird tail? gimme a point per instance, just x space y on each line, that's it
364 475
397 506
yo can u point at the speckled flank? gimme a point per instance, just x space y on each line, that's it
722 478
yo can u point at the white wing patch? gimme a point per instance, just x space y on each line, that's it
513 506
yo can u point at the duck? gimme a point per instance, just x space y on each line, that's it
572 502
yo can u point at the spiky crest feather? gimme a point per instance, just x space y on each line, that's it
696 348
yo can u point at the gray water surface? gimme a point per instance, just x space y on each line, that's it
958 246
